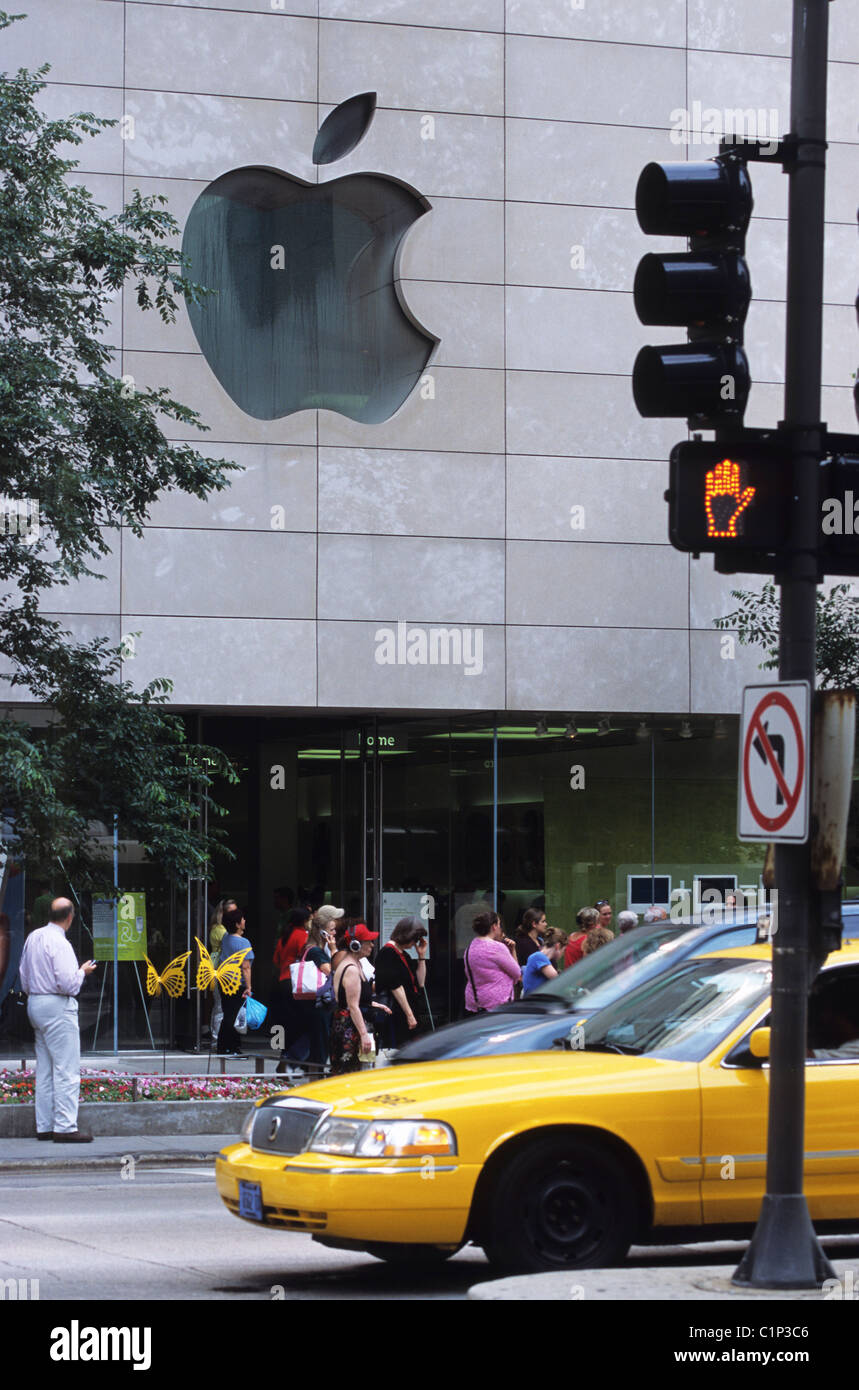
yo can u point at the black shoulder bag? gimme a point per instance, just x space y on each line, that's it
471 978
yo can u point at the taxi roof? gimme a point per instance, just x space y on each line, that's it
762 950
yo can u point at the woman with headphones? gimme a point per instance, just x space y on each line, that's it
351 1033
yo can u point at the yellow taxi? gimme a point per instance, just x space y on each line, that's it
647 1122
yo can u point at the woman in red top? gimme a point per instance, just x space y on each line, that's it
292 941
586 919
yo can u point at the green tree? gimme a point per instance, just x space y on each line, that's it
756 622
82 453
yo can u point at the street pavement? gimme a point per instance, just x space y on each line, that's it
158 1230
165 1235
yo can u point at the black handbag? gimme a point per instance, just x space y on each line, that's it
14 1023
478 1010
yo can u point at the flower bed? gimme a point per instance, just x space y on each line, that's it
18 1087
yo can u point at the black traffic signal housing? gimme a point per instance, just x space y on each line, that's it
839 513
706 289
729 497
735 497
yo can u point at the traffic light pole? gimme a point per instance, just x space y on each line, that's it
785 1252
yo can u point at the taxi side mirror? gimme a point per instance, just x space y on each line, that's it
759 1044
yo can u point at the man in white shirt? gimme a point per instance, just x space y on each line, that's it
52 978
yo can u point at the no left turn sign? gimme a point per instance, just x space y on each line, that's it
773 778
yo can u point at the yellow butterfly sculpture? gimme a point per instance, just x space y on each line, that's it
173 978
228 974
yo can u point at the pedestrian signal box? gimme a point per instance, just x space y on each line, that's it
725 497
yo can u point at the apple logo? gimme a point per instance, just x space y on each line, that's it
307 312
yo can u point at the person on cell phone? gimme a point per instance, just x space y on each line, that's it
491 967
400 980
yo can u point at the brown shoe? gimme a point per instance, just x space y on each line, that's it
48 1134
73 1136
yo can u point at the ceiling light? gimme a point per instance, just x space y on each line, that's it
720 729
604 727
571 731
642 731
541 728
686 729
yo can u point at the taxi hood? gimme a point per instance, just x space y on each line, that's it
439 1088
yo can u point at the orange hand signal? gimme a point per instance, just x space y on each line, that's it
723 500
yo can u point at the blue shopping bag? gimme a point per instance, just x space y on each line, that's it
255 1012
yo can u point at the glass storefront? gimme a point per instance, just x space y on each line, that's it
436 817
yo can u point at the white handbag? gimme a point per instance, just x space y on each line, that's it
308 981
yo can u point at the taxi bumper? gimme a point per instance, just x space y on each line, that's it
424 1201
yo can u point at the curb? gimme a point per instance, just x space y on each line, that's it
113 1119
148 1159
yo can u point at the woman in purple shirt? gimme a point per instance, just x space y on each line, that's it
491 968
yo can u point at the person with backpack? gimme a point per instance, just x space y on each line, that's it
491 967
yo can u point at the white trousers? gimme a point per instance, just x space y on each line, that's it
58 1061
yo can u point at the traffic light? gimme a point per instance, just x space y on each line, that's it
706 289
736 497
729 497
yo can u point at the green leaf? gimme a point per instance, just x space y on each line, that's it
91 450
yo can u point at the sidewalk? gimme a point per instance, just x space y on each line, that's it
681 1284
34 1155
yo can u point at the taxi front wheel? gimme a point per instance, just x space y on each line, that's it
560 1204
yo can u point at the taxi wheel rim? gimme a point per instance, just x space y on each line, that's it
568 1216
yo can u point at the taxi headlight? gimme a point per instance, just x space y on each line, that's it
338 1136
407 1139
384 1138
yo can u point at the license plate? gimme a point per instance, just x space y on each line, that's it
250 1200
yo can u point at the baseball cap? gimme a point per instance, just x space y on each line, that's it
326 913
363 933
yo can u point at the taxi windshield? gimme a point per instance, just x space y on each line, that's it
682 1015
599 978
